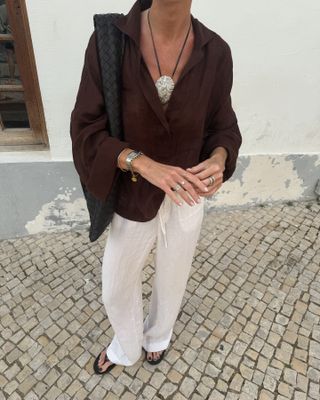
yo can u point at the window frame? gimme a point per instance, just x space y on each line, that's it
35 137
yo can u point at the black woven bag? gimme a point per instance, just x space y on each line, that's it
111 43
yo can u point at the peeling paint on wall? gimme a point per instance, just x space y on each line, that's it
307 168
242 164
264 178
59 214
50 198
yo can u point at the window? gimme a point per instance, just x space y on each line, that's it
22 124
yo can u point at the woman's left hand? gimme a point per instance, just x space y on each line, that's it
213 166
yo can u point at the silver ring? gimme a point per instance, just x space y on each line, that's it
212 180
176 188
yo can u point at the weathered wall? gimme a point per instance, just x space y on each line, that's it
46 196
276 96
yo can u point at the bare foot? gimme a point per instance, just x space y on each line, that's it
103 364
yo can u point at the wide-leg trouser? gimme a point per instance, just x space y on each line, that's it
176 231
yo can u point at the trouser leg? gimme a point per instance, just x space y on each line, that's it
127 247
173 264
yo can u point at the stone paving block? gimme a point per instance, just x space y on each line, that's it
178 396
215 395
136 386
187 386
149 392
174 376
300 396
248 326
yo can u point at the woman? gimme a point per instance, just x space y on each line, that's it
181 142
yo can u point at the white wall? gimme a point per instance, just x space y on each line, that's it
276 51
276 92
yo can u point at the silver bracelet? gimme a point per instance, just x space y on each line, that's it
130 157
118 164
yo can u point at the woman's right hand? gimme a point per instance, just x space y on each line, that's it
166 177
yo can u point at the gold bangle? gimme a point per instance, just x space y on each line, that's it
118 164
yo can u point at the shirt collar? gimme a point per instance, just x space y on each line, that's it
130 25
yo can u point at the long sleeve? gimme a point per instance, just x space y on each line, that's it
94 151
223 129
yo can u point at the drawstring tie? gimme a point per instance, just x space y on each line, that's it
164 213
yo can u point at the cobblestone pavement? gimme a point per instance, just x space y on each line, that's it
248 327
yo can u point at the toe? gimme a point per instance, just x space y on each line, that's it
154 355
105 366
101 358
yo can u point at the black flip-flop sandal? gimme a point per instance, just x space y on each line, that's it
154 362
96 367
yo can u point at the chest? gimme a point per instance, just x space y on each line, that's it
168 55
190 101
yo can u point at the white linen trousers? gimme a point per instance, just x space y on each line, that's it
176 231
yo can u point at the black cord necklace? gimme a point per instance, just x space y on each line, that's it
165 83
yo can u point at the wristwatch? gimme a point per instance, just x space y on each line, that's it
130 157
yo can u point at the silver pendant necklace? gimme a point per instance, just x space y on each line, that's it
165 83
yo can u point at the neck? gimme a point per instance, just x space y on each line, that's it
170 18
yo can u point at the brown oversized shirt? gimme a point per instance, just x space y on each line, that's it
198 119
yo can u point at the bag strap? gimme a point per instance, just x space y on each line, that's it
111 45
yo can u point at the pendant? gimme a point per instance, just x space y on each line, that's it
165 86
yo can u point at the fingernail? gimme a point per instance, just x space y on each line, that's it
180 204
206 189
198 200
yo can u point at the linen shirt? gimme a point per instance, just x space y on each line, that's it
199 117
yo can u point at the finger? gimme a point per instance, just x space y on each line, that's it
212 170
214 189
182 192
196 181
217 183
173 196
196 168
187 186
217 180
198 191
207 194
186 197
191 192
